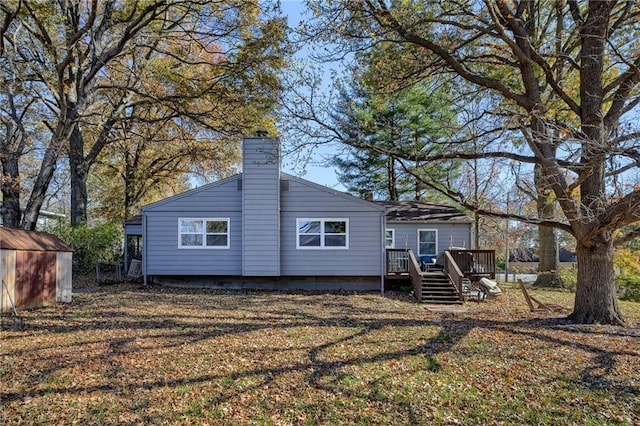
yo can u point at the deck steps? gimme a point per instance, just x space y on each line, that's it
436 288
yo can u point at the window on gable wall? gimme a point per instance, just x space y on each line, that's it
203 233
322 233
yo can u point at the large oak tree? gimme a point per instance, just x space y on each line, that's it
576 136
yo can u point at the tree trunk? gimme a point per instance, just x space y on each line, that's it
476 200
417 184
129 190
476 231
41 184
79 197
393 181
48 166
596 298
79 170
10 193
596 295
548 266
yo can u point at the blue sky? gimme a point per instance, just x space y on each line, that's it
322 175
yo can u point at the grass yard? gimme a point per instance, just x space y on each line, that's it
127 355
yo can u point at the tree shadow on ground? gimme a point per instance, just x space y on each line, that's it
194 317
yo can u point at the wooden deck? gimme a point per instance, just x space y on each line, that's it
458 269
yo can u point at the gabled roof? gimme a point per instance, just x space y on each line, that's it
422 211
19 239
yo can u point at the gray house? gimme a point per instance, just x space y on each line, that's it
264 228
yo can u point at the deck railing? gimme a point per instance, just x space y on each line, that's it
475 264
397 261
458 264
403 263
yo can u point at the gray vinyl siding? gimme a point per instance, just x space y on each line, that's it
220 196
261 207
161 252
406 234
362 258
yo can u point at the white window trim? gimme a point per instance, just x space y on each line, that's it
393 238
322 220
418 236
204 233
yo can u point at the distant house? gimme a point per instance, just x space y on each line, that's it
267 229
45 218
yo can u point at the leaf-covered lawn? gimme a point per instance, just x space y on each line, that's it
127 355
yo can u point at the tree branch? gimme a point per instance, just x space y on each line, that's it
629 236
387 17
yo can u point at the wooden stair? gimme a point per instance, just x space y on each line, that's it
436 288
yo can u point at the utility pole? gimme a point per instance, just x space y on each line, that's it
506 244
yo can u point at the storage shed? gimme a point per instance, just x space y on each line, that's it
35 269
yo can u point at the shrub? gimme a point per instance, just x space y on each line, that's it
627 264
569 278
102 243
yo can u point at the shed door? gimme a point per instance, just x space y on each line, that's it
35 279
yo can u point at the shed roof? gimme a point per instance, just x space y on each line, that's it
19 239
134 220
422 211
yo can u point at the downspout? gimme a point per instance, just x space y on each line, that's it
144 249
242 214
383 252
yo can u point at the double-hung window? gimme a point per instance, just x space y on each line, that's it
427 242
322 233
389 238
203 233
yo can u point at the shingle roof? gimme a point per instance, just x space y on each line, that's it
134 220
411 211
19 239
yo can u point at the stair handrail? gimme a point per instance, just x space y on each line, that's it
416 276
453 272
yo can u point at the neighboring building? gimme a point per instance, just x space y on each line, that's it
267 229
45 218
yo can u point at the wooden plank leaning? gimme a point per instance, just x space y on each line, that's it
541 306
